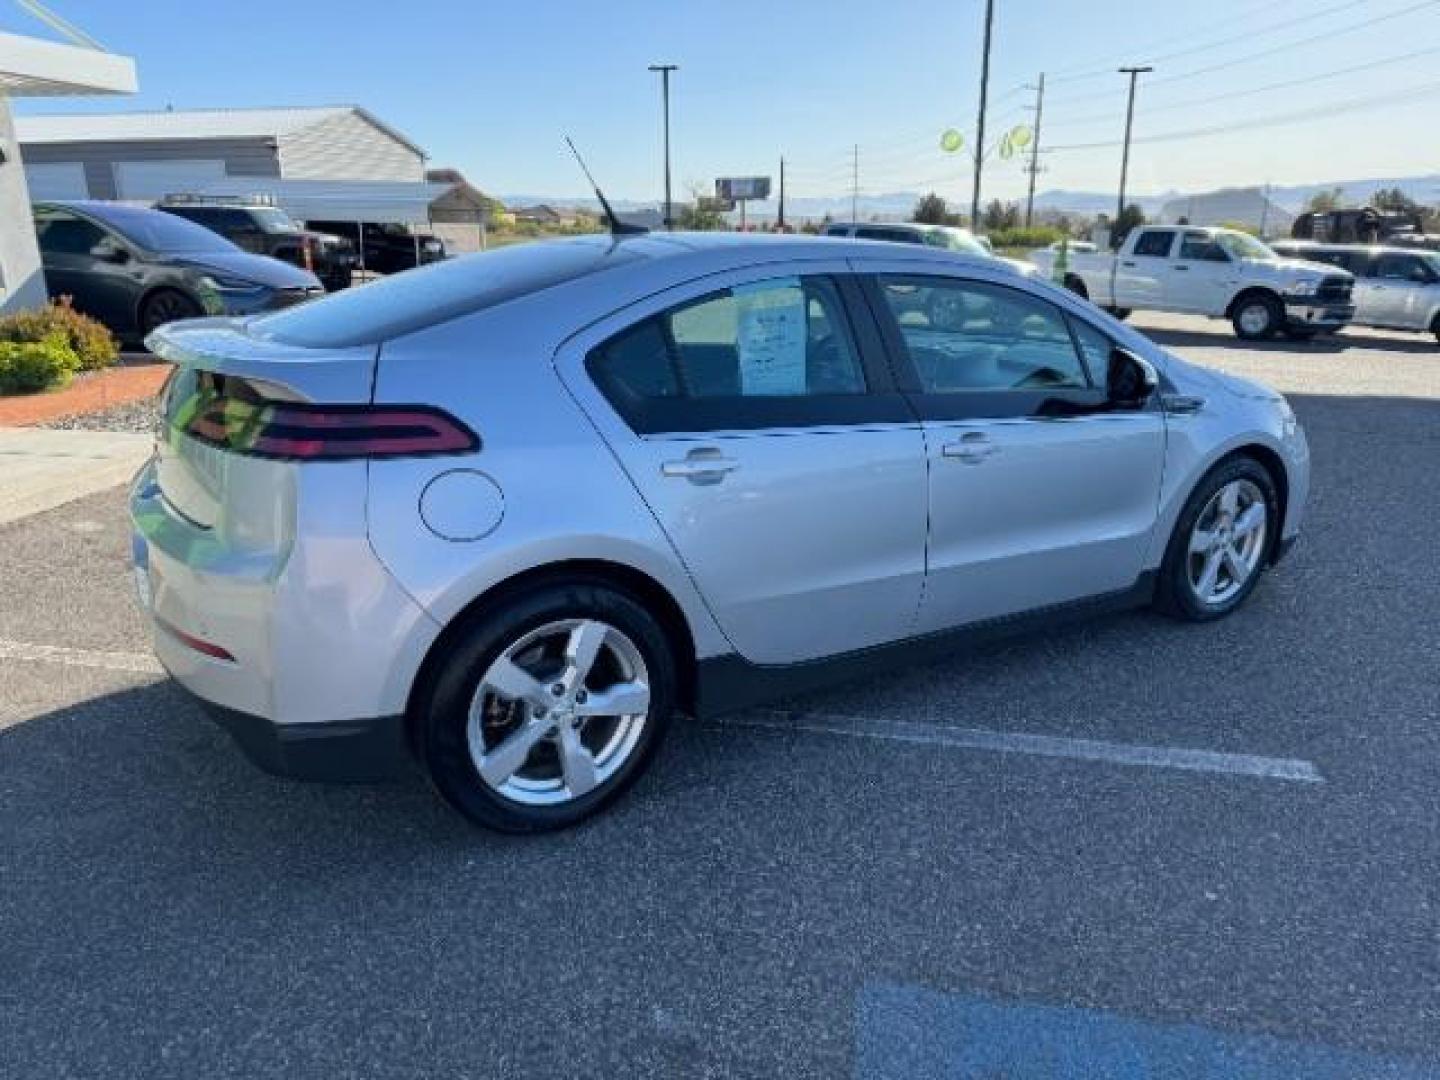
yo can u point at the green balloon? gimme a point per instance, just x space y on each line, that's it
1020 136
951 140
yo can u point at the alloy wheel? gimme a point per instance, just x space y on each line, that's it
558 712
1255 318
1227 542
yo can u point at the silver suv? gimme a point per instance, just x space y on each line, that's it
505 515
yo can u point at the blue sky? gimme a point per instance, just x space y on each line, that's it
491 88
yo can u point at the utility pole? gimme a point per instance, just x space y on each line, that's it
980 119
855 185
1035 149
780 220
665 70
1125 155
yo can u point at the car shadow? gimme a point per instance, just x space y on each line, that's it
1224 338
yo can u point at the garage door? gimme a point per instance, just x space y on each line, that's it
61 181
153 179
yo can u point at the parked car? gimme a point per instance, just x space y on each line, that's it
506 514
1395 288
947 237
1222 273
1362 225
1074 247
388 248
264 229
135 269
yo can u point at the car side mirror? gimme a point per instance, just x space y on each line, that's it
1130 380
109 251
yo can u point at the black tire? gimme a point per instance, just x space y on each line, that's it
1240 316
167 306
1121 313
440 717
1174 594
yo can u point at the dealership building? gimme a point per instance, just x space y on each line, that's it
328 163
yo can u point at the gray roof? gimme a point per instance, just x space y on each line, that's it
186 124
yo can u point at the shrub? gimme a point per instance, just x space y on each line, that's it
1038 236
27 366
93 345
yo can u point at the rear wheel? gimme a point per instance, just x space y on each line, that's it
166 306
1220 542
1257 316
547 708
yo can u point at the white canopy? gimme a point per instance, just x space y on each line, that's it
337 200
32 67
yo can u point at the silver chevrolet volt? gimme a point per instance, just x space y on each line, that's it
502 517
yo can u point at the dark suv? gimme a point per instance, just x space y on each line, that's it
388 248
265 229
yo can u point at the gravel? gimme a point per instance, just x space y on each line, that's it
134 416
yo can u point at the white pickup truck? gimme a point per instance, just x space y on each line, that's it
1217 272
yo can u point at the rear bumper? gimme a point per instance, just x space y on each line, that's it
1307 314
342 751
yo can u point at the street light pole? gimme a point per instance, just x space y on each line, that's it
1125 155
665 70
980 120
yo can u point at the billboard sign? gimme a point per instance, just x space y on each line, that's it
740 188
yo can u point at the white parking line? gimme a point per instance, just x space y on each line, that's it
90 658
1014 742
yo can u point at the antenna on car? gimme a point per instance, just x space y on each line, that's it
617 227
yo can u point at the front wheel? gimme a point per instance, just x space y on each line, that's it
548 707
1257 317
1220 542
166 306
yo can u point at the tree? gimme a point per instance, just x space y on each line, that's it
1132 217
931 210
1394 199
998 215
691 218
1322 202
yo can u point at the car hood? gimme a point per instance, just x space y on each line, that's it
1207 382
1291 270
261 269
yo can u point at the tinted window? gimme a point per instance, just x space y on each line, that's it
161 232
780 338
1200 246
62 234
1401 268
904 236
965 336
1154 242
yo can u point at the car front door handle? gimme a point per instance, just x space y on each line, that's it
972 448
704 466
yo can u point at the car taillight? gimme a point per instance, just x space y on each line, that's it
233 414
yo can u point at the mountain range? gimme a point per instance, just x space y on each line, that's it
899 204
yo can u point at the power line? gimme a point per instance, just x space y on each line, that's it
1353 105
1262 54
1284 85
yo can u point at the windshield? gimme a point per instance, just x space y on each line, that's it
163 233
272 220
1240 245
961 240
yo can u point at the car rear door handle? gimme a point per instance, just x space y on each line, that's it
972 448
702 466
1127 262
1181 268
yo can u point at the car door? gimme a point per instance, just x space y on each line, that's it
1040 493
91 265
1402 282
1202 277
1140 277
765 434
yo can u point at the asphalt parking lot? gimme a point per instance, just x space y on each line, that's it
1131 848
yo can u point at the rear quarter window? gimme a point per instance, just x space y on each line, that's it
439 292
